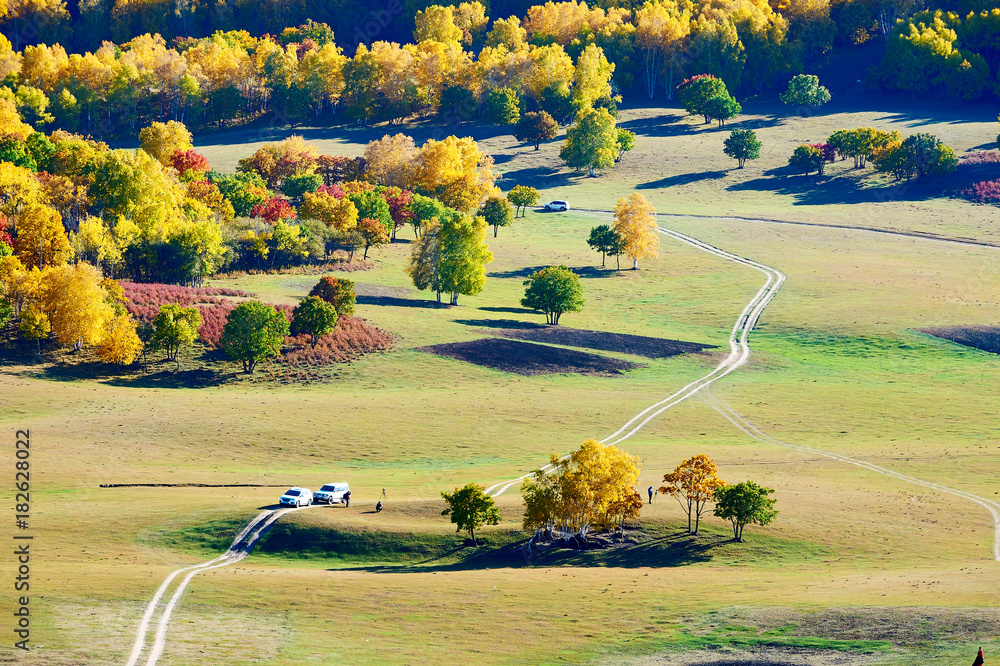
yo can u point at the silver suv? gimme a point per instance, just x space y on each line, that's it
332 493
559 204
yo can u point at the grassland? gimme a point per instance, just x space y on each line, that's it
836 366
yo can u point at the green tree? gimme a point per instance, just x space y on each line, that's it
557 101
553 290
744 504
174 327
807 159
253 332
497 213
372 205
338 292
315 317
926 155
603 239
722 108
464 255
502 107
805 90
6 313
535 127
297 185
742 145
458 104
592 142
696 92
522 196
625 142
470 508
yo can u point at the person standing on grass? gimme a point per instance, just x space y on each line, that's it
651 494
347 498
979 658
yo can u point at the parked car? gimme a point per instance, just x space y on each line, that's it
557 205
331 493
296 497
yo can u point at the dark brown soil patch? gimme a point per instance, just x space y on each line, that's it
639 345
986 338
526 358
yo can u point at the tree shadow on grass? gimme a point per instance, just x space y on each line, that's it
500 323
582 271
676 549
510 310
194 378
400 302
541 178
682 179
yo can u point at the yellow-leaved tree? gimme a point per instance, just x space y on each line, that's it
162 140
41 237
592 487
636 228
592 77
662 28
121 344
76 304
35 326
693 483
340 214
454 171
389 160
436 24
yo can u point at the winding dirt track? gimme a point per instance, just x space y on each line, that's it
242 545
739 354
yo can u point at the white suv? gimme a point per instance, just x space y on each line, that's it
557 205
331 493
297 497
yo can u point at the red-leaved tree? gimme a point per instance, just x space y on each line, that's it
189 164
399 201
275 209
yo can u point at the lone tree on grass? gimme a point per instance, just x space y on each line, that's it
315 317
470 508
707 96
743 504
522 196
497 213
603 239
553 290
693 484
338 292
535 127
625 142
635 226
253 332
742 145
722 108
805 90
373 233
174 327
592 142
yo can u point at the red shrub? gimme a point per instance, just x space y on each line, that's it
986 191
4 235
333 190
351 338
189 162
981 157
829 151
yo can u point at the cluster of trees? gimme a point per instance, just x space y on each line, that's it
591 488
918 156
634 232
944 53
695 484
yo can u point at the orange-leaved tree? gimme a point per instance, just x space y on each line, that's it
635 225
692 484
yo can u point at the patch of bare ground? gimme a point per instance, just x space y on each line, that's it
901 626
763 656
638 345
528 358
986 338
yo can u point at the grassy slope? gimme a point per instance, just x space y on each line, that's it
836 366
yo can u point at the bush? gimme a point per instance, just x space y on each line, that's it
805 90
351 338
807 159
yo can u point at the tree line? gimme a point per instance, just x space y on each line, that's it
460 64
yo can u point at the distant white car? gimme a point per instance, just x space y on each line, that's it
331 493
557 205
296 497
